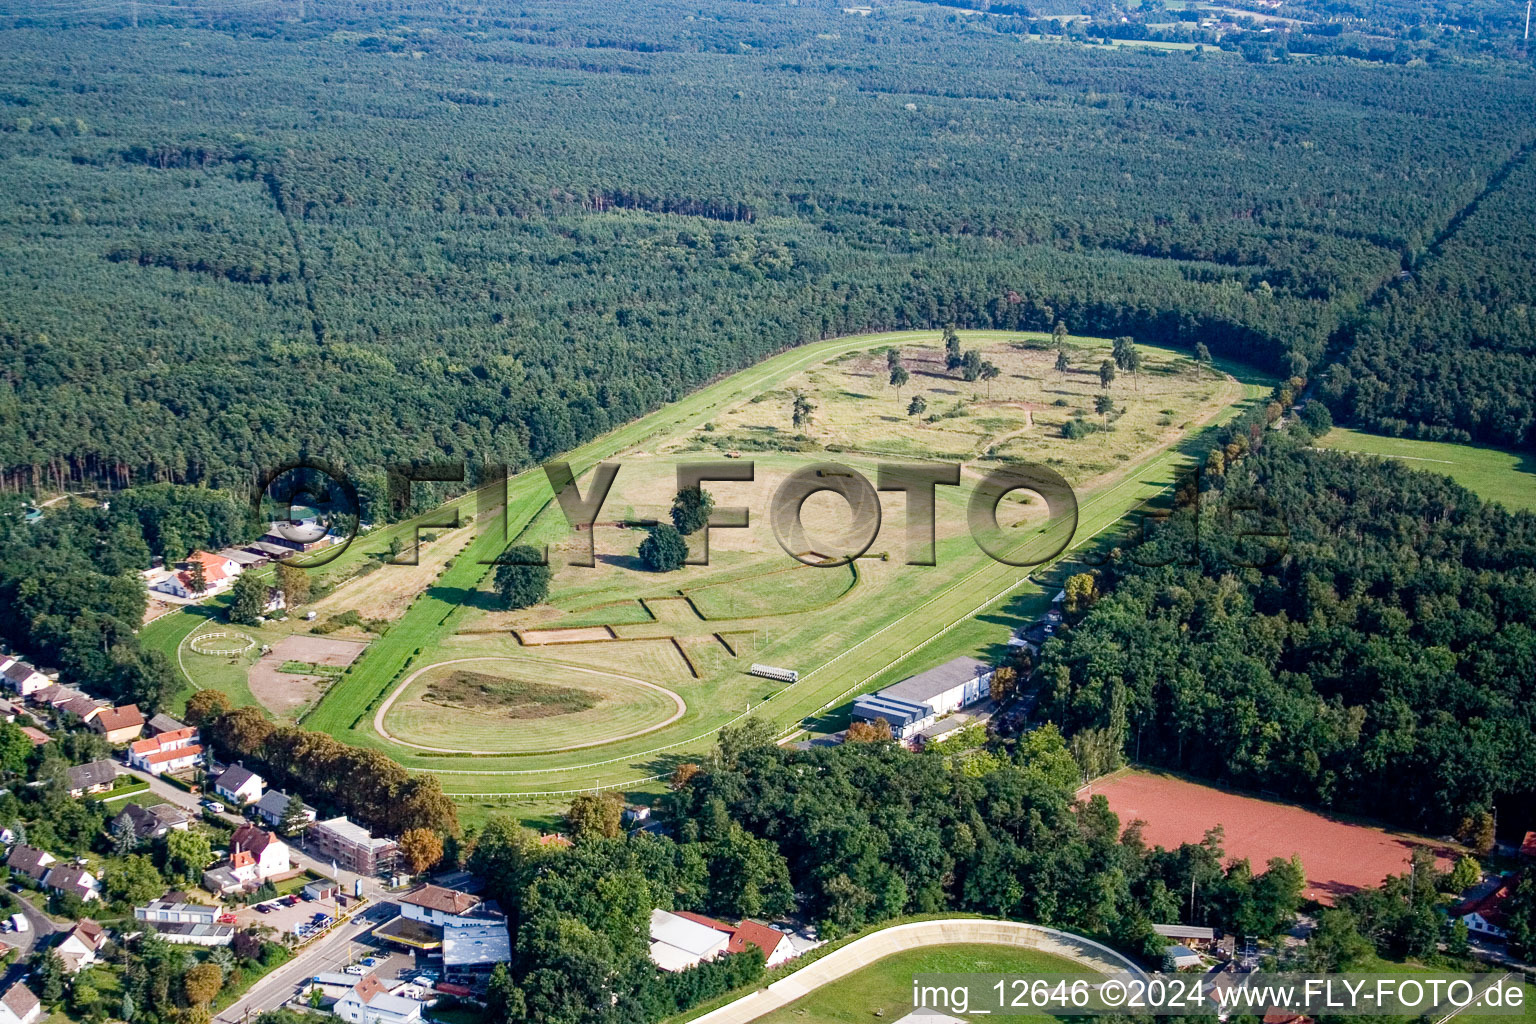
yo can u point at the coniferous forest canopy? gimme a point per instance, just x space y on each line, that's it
382 232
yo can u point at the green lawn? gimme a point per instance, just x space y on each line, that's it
1494 474
883 990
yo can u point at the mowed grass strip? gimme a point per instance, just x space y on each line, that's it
1493 474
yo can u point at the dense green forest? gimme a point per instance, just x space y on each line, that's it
240 234
1377 654
1450 352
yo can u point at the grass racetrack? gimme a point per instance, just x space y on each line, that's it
854 632
514 706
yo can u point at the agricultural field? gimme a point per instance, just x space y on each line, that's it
883 990
623 672
1338 856
1494 474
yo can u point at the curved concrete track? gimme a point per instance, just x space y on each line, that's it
898 939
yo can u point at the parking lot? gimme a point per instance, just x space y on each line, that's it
286 919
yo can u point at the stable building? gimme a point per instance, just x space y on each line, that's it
914 703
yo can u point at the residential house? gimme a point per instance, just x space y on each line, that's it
22 677
96 777
270 856
80 946
20 1006
1487 915
678 942
166 752
82 707
273 808
75 880
163 723
56 695
351 846
775 945
217 574
30 861
151 822
37 736
239 785
370 1002
118 725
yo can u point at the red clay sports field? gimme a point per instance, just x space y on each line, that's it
1338 857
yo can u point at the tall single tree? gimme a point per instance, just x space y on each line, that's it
197 577
521 581
1106 374
664 549
802 411
1063 361
899 378
690 510
294 583
1059 333
1104 405
917 406
248 599
989 373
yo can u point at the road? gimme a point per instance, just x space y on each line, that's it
329 953
372 887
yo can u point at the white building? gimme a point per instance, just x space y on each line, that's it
239 785
678 943
272 808
19 1006
268 855
369 1001
159 753
21 677
914 703
433 904
80 947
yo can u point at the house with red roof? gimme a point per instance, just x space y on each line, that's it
119 725
745 934
166 751
1486 915
218 572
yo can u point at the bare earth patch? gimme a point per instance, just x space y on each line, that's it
285 693
580 634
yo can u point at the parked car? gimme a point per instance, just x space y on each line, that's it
263 908
369 961
290 900
355 969
212 805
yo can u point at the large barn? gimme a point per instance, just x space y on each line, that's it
912 704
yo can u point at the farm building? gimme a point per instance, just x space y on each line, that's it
912 704
678 943
904 717
1487 915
